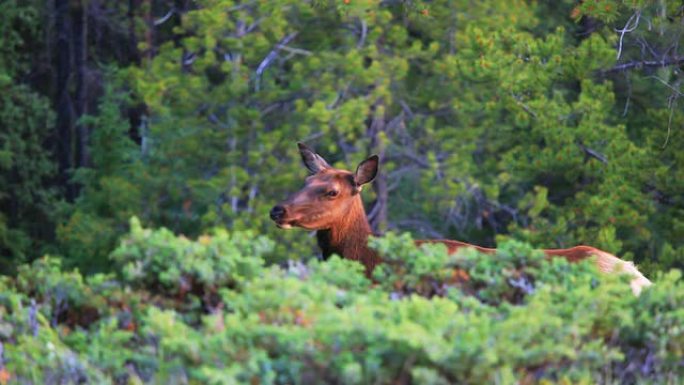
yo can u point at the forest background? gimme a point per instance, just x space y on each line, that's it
553 123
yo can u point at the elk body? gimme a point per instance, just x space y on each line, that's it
331 204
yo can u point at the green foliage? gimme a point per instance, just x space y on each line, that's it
488 125
512 126
111 191
19 31
491 124
25 169
159 259
467 318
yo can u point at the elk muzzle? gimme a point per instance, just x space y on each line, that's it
277 214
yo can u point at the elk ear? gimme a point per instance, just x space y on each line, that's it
366 171
312 161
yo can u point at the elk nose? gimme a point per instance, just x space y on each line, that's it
277 212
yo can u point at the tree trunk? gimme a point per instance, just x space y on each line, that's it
133 55
80 39
64 106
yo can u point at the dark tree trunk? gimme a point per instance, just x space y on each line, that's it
65 114
133 53
80 39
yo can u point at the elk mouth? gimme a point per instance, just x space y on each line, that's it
287 224
279 215
284 225
294 218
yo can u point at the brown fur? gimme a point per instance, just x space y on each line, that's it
342 225
606 262
348 237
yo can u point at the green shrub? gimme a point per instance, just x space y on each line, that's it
427 317
174 265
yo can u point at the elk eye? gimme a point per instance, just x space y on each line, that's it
332 193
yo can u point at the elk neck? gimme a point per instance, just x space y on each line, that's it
348 237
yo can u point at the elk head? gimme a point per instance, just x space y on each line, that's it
329 195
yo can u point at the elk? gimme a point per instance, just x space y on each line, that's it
330 203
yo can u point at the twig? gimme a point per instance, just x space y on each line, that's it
406 108
397 121
666 84
417 224
629 95
295 50
272 55
313 136
593 153
670 103
364 31
524 106
340 96
166 17
240 6
33 318
645 63
274 52
189 58
421 162
628 29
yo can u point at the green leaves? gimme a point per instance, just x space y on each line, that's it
208 311
151 258
25 170
491 125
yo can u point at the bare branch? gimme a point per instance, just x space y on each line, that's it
629 94
295 50
422 162
240 6
272 55
364 31
671 100
674 90
189 58
406 108
645 63
396 122
313 136
214 119
669 122
253 26
626 29
166 17
524 106
589 152
416 224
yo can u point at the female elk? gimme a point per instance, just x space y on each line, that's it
331 204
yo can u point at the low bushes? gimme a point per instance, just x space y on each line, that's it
209 312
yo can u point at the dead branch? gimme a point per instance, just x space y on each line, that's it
524 106
272 56
416 224
626 29
589 152
364 31
166 17
638 64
